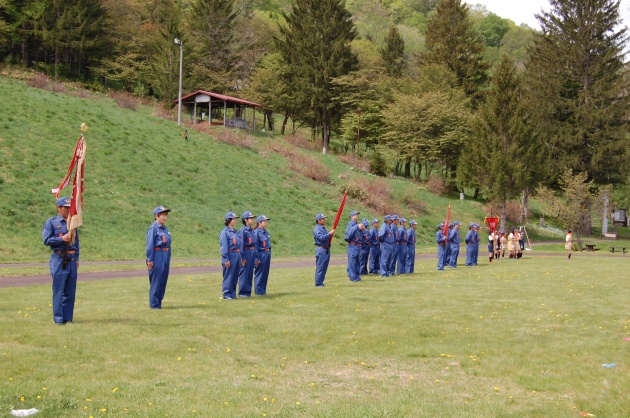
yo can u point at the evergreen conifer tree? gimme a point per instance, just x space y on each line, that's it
578 87
393 53
315 45
452 40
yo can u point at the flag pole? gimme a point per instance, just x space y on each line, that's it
341 205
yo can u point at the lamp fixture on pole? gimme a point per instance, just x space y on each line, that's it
179 101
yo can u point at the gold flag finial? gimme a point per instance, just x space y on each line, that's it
84 128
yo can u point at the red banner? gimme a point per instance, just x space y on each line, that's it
343 202
493 223
77 165
446 222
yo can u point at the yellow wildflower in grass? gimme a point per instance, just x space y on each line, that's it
114 390
103 409
179 358
22 398
39 396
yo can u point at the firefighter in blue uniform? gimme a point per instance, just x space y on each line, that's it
263 257
411 248
231 255
454 239
440 240
246 274
394 257
375 248
402 246
353 238
63 263
158 256
386 238
470 245
476 240
322 253
447 249
364 252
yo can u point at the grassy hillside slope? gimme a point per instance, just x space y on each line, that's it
137 161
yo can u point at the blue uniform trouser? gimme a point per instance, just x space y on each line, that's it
158 276
386 252
441 256
447 254
475 254
454 253
246 274
410 260
261 273
364 253
470 254
375 258
230 275
64 288
393 257
402 258
322 258
354 265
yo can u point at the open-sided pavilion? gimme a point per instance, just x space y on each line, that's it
219 109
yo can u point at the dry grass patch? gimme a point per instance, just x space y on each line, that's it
359 163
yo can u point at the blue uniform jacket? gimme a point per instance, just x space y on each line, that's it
411 237
385 234
321 236
454 237
52 233
247 235
402 235
158 236
394 229
374 238
440 238
230 241
470 237
353 233
262 241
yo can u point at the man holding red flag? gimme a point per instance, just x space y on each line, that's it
63 263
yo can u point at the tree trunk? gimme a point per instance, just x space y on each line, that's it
605 214
284 122
503 215
408 168
525 205
325 128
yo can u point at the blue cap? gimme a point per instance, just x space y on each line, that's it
365 222
440 225
413 223
231 215
63 201
262 218
320 216
471 225
354 212
247 215
394 217
374 221
160 209
456 223
403 220
388 218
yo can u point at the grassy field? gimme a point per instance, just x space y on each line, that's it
521 338
137 161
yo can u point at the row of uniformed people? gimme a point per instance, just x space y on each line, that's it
245 255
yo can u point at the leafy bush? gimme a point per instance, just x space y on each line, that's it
378 165
124 100
39 81
436 185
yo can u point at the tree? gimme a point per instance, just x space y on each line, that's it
579 201
393 53
503 155
315 45
492 29
452 40
578 86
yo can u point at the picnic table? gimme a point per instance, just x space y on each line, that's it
617 249
591 247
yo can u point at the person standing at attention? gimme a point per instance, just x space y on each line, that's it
231 255
386 238
455 239
375 248
353 238
402 246
410 259
394 258
63 263
568 244
364 252
470 246
158 256
440 240
322 253
263 255
246 274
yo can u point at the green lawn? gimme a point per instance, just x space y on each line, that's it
516 338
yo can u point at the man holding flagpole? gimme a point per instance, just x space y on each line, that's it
63 263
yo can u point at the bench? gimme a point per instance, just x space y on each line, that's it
617 249
591 247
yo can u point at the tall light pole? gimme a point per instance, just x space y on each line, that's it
179 101
358 131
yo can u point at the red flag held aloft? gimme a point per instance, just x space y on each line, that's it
343 202
446 222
